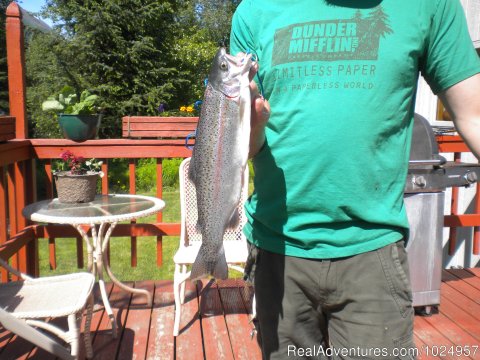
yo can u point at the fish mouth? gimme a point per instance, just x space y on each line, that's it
239 65
231 79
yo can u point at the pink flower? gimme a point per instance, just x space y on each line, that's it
66 155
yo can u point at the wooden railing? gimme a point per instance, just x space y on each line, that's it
15 192
455 145
106 150
18 189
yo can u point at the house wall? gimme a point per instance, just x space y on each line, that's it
426 105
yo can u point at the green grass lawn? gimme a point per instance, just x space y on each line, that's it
120 250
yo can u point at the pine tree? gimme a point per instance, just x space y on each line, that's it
120 52
136 56
205 25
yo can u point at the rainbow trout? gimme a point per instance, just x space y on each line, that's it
219 158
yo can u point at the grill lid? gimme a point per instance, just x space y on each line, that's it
424 144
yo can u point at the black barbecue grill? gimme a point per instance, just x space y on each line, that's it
429 175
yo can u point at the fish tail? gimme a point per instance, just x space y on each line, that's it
203 267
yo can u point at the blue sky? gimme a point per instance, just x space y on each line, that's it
34 6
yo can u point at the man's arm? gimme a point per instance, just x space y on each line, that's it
462 101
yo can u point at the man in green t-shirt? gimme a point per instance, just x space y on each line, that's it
327 221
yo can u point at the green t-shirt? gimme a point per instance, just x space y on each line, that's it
341 81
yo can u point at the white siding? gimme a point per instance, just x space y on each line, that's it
472 12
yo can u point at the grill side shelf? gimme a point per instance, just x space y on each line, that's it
439 178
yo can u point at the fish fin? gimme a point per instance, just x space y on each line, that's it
234 220
202 268
221 268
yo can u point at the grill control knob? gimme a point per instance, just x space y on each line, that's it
420 181
471 177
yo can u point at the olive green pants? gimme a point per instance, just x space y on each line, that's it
357 307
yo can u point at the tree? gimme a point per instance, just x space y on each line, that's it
121 53
135 56
46 72
215 16
204 26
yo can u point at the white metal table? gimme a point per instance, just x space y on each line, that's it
102 215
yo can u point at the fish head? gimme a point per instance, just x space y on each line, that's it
228 71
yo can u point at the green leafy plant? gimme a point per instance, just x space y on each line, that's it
67 102
77 165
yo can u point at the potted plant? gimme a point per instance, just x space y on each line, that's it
78 117
76 178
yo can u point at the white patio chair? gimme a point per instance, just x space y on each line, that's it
26 305
234 241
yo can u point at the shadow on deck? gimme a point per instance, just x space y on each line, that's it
215 325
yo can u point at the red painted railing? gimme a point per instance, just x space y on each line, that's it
455 145
17 189
15 193
109 149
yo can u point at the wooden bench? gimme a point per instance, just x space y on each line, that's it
158 127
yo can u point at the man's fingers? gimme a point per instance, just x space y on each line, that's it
254 93
260 106
261 109
253 71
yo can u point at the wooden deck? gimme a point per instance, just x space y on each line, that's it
215 324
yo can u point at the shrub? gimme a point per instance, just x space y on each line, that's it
170 172
146 175
118 175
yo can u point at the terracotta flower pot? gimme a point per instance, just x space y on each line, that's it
76 188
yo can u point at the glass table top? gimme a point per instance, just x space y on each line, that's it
105 208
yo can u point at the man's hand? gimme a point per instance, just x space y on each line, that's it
259 116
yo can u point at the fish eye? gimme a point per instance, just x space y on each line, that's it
223 65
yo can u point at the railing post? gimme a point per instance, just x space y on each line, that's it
3 216
159 214
133 239
452 241
16 69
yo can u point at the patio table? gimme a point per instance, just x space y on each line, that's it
102 215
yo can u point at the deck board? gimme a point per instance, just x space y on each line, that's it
214 328
104 345
133 344
161 344
188 343
428 334
461 300
239 327
467 276
215 323
461 317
